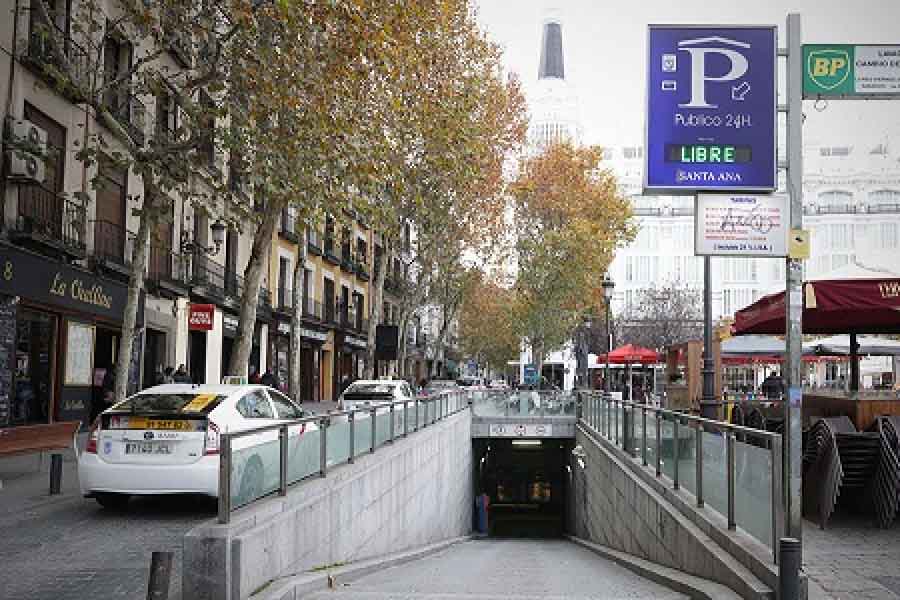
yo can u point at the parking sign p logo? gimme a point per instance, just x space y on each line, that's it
699 49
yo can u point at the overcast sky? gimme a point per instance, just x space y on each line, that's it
604 43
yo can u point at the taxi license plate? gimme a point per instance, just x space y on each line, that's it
160 424
148 448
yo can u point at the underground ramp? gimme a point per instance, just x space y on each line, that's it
497 569
526 483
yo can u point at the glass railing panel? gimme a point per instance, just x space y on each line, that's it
715 472
337 440
687 457
667 450
753 491
652 424
304 450
362 433
255 467
382 426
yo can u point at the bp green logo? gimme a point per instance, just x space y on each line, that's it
829 68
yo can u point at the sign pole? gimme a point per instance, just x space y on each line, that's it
708 402
791 447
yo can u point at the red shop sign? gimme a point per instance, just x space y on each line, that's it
200 317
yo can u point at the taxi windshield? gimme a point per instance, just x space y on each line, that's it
170 403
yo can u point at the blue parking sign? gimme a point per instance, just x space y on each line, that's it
711 115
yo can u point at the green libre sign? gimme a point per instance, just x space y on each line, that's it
851 71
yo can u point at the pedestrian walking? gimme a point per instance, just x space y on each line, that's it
181 375
268 379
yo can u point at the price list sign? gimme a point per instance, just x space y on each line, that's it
741 225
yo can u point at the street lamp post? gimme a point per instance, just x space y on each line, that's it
584 349
608 287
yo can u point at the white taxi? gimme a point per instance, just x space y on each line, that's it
165 440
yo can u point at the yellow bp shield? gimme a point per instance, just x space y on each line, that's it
829 70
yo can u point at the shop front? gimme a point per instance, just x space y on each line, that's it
350 360
59 338
310 359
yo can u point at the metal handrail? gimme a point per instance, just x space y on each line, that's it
597 401
226 439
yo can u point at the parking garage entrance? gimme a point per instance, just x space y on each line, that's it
525 483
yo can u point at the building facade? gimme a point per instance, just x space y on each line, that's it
851 206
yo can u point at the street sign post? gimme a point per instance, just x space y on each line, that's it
741 225
711 109
851 72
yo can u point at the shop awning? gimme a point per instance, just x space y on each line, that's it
854 298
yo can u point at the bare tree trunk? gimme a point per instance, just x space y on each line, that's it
259 257
296 315
374 317
139 255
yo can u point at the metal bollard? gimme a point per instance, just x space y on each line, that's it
56 465
160 576
789 550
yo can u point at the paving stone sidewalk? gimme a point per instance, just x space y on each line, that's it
66 547
852 559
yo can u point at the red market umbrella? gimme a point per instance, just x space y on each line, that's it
630 354
853 299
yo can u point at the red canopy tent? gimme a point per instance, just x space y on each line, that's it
854 299
630 354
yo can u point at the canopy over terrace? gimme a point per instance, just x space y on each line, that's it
630 354
852 299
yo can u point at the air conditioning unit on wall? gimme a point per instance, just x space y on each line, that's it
26 147
24 166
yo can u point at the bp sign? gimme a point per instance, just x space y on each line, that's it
851 71
711 109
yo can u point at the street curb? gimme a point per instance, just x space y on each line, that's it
297 586
695 587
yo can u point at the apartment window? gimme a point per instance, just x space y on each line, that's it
328 299
329 235
109 225
836 200
313 237
207 147
166 116
840 236
726 302
284 287
889 236
879 198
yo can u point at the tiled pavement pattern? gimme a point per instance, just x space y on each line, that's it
68 548
504 570
852 559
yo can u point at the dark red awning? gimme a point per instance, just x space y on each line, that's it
862 305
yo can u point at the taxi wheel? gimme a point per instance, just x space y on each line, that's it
113 501
252 481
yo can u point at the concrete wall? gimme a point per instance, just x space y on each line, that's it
410 494
616 505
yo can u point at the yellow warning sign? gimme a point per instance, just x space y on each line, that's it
199 402
798 244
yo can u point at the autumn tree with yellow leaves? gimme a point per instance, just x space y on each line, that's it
570 218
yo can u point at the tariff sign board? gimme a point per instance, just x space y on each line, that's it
711 120
852 72
741 225
200 317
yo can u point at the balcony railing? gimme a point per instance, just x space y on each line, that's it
836 209
885 207
347 263
330 313
288 226
128 110
45 213
283 302
40 54
164 265
112 243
